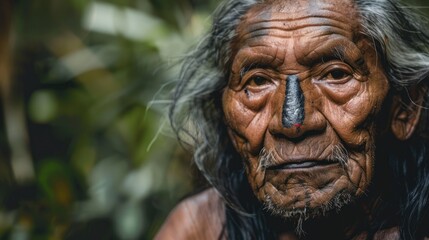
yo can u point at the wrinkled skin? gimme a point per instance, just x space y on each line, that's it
343 86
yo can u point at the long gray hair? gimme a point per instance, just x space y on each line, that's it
402 43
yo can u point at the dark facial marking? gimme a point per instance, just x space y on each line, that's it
293 107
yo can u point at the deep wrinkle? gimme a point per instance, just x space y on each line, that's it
278 28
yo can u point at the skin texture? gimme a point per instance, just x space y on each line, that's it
343 88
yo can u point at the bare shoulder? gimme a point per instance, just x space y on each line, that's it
390 233
198 217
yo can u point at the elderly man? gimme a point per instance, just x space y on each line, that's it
309 120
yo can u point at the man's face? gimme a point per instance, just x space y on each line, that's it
324 154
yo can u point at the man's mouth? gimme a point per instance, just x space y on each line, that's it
302 164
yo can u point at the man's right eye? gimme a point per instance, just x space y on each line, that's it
257 81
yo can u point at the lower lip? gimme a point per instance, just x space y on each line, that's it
304 166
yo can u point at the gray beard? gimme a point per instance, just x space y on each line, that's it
300 215
340 200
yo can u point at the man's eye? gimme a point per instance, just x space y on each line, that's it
258 81
337 75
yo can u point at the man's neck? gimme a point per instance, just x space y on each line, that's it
347 223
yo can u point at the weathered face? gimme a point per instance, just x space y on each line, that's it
304 91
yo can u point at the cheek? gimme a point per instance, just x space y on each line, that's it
247 119
351 113
340 94
360 167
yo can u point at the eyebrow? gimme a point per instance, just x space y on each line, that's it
255 65
338 52
260 60
353 57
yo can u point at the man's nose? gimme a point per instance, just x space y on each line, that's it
293 113
295 117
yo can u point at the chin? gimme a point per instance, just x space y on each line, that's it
294 197
300 214
310 187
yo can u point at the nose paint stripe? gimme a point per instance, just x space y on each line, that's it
293 106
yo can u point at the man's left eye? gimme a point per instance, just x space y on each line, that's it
337 75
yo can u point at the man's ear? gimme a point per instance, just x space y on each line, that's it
406 111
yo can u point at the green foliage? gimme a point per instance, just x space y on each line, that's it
90 75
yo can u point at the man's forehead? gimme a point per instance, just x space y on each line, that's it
309 5
292 14
305 26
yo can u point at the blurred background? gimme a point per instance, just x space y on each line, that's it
85 147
